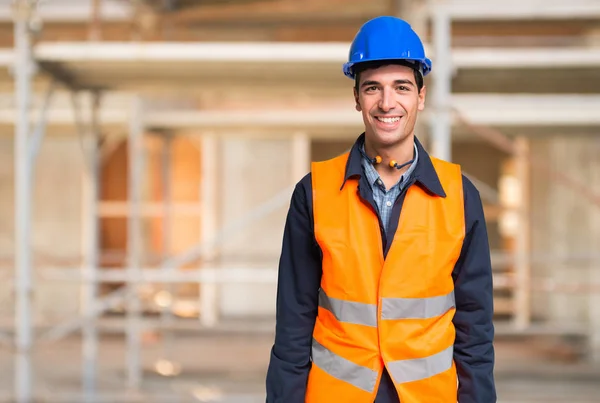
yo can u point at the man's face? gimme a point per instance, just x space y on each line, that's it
389 100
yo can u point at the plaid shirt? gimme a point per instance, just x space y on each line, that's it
384 198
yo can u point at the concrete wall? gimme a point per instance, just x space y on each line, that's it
252 171
565 223
56 215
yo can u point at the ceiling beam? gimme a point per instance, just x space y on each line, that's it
279 11
529 110
548 58
464 58
518 9
174 52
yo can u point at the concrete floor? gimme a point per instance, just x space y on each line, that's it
230 368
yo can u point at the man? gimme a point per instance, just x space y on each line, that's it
385 283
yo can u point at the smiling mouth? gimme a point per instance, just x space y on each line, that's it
388 119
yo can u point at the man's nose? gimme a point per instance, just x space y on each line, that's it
386 102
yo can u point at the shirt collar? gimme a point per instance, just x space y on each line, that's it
424 172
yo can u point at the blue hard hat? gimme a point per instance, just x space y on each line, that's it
387 38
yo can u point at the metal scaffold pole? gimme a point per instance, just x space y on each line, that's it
134 244
167 223
23 71
441 144
91 263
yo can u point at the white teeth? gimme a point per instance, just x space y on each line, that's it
388 120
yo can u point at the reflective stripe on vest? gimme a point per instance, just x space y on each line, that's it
342 369
402 371
391 308
416 308
349 312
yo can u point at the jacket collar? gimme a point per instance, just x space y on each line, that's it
424 172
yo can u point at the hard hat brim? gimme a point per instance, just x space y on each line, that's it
425 65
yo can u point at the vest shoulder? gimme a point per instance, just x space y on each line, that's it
335 164
446 165
337 160
327 171
449 174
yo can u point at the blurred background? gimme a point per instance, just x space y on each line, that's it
148 151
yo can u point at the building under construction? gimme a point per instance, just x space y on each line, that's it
130 131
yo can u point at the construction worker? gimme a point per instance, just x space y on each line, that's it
385 282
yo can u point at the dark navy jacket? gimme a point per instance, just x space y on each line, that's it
300 277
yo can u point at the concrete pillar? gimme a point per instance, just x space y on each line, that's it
252 172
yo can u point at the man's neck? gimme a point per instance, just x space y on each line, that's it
401 153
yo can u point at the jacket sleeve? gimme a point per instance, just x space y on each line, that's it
297 302
473 348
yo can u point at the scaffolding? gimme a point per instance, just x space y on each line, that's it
28 139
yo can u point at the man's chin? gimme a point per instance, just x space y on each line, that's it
385 138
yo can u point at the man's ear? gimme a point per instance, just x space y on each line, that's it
356 100
422 94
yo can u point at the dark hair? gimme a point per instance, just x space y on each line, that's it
361 67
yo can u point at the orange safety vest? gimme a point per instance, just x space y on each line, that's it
395 311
